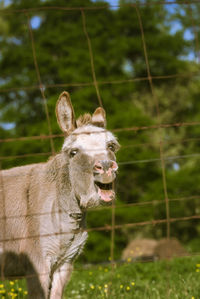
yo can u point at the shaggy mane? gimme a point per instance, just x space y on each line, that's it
84 119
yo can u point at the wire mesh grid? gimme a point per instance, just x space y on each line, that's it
162 159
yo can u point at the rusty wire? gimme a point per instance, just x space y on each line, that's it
118 206
81 84
91 57
107 227
157 105
41 87
134 129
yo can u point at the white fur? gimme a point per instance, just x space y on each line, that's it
91 139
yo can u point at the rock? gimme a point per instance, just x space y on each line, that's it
150 249
139 248
169 248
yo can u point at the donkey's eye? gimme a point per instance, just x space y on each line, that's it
73 153
111 147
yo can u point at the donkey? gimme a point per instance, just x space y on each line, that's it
43 206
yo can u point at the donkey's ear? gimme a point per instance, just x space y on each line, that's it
65 113
99 117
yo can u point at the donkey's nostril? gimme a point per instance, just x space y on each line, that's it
114 165
98 167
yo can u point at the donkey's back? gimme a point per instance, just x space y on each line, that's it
14 205
15 183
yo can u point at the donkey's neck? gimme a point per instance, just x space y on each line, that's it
58 174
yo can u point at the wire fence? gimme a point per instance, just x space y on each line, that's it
150 79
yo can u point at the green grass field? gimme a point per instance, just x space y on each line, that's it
178 278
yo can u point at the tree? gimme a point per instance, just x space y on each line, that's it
63 57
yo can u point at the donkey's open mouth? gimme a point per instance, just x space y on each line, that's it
105 191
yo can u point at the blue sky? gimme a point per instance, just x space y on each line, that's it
112 2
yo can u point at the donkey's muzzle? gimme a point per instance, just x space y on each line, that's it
104 176
105 167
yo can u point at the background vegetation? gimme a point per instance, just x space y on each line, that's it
170 33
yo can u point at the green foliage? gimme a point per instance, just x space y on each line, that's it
64 62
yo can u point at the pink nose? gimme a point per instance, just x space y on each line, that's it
105 165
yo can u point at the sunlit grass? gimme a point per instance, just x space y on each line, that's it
175 279
13 289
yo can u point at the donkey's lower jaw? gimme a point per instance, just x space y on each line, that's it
106 195
105 191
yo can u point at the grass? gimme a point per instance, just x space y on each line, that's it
13 289
175 279
178 278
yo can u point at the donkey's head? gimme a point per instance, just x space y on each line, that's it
89 150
